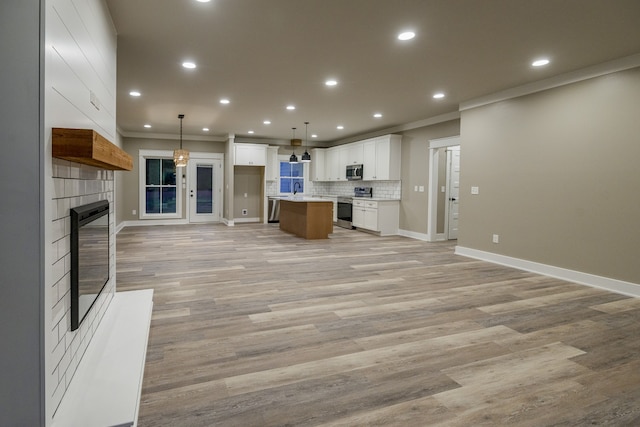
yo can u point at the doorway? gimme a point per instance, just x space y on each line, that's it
452 191
444 185
204 184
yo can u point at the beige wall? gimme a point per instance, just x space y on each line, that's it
415 171
557 173
128 182
248 180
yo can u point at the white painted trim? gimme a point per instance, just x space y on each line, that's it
245 220
598 70
432 205
228 222
145 135
414 235
600 282
151 222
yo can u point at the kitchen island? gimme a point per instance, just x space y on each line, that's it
307 217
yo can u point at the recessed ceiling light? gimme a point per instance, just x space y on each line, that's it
267 122
189 65
134 93
224 101
407 35
340 127
438 95
540 62
147 126
377 115
203 1
250 131
313 135
331 82
291 107
205 129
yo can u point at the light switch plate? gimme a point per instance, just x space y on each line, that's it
475 190
421 189
496 238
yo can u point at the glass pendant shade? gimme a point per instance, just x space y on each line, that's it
180 157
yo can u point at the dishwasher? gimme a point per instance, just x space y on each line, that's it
274 209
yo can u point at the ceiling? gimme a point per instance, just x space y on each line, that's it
263 55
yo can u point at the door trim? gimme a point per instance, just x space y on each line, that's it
186 182
432 201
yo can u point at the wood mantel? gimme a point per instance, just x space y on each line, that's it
88 147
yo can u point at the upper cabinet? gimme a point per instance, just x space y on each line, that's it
318 169
354 153
382 158
250 155
379 157
272 171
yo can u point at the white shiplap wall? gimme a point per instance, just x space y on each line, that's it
80 64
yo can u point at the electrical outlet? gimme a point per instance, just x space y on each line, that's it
475 190
245 212
421 189
496 238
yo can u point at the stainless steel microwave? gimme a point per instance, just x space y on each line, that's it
354 172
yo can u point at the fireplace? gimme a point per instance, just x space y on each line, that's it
89 257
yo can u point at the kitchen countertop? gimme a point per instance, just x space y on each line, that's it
299 198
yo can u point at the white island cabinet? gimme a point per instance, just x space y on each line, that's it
250 155
380 216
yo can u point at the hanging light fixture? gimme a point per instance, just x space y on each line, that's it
180 157
306 157
294 142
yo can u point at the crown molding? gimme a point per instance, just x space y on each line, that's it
145 135
598 70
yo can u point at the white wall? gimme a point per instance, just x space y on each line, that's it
80 61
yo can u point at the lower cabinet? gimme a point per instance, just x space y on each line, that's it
381 216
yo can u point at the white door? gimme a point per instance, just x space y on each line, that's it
205 190
453 191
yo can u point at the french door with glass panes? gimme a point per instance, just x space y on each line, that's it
205 189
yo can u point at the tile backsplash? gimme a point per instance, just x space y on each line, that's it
381 189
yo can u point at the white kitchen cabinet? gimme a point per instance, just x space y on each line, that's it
250 155
335 165
272 171
380 216
318 165
382 158
354 154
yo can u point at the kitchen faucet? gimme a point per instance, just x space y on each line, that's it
294 187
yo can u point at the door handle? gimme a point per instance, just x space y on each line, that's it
191 195
453 199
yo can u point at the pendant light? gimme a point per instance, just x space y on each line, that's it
306 157
293 159
180 157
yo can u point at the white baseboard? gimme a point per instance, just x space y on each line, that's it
228 222
600 282
241 220
413 235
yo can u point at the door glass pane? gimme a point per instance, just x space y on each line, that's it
204 189
153 171
168 172
152 200
169 200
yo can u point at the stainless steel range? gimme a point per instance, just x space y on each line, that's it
345 206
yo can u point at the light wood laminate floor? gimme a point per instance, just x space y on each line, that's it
255 327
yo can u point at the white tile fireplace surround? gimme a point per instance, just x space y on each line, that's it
73 185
